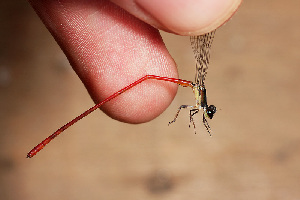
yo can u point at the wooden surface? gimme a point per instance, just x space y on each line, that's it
253 154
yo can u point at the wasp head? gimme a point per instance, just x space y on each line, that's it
210 111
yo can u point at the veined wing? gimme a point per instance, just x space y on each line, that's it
201 46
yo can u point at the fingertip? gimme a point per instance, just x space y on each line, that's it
109 49
142 103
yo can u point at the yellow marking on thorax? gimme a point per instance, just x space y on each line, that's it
197 96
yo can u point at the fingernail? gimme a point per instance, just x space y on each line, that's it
188 17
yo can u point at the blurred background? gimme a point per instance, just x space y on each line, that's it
254 152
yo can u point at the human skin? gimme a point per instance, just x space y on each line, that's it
110 44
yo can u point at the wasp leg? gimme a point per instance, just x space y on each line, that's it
192 113
178 111
206 125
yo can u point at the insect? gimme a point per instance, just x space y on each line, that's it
201 46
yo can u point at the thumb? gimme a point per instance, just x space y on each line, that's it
183 17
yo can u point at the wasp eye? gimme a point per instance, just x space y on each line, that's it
210 111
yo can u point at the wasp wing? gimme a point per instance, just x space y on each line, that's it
201 47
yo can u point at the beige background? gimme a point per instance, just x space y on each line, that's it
254 152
